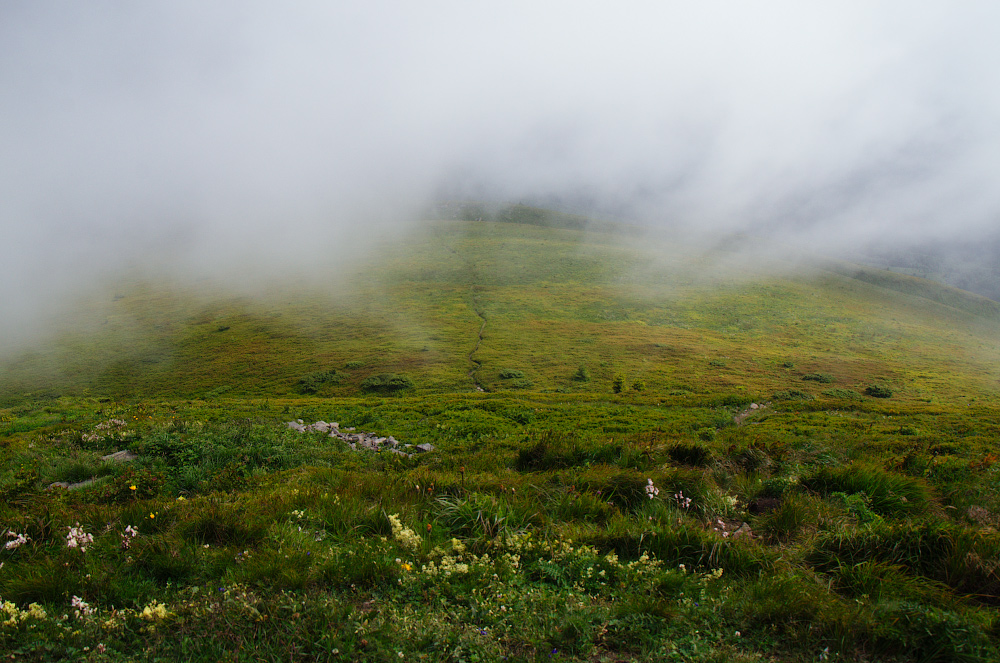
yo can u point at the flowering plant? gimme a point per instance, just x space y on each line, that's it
78 538
18 540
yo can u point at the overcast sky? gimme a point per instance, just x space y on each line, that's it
224 135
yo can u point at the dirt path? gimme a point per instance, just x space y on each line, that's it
475 364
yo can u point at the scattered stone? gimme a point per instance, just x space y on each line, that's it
358 440
122 456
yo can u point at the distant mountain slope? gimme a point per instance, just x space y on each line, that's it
498 305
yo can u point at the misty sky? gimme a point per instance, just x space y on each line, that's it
243 136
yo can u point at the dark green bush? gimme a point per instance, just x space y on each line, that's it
310 384
582 374
386 383
792 395
845 394
825 378
510 374
879 391
690 453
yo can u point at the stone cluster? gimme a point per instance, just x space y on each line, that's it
360 440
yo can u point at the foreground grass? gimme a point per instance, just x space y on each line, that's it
863 530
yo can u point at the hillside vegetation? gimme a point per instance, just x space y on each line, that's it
636 452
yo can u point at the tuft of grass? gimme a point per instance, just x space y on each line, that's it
886 493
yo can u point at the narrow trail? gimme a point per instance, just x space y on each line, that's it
477 308
476 364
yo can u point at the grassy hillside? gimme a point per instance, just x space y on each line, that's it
637 453
552 300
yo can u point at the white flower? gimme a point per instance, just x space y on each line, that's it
651 490
19 540
77 538
80 607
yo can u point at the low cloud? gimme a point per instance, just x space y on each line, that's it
241 139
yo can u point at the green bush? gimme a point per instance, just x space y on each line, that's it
691 453
310 384
792 395
582 374
879 391
386 383
618 385
845 394
510 374
825 378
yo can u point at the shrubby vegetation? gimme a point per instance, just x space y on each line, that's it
644 544
386 383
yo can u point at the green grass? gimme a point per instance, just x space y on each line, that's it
554 519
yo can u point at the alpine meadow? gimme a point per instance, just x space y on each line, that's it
516 434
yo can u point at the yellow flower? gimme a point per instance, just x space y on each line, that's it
407 567
152 515
132 487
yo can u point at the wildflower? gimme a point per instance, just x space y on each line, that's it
77 538
19 540
651 490
154 612
80 607
132 487
152 515
682 502
404 535
129 534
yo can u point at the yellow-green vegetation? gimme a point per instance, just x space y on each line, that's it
631 460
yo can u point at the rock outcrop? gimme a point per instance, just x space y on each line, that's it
360 440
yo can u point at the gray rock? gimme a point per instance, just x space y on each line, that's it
425 447
122 456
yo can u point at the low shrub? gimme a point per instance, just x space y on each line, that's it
690 453
311 384
845 394
825 378
792 395
386 383
879 391
510 374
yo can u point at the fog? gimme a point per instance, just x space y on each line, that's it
243 141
